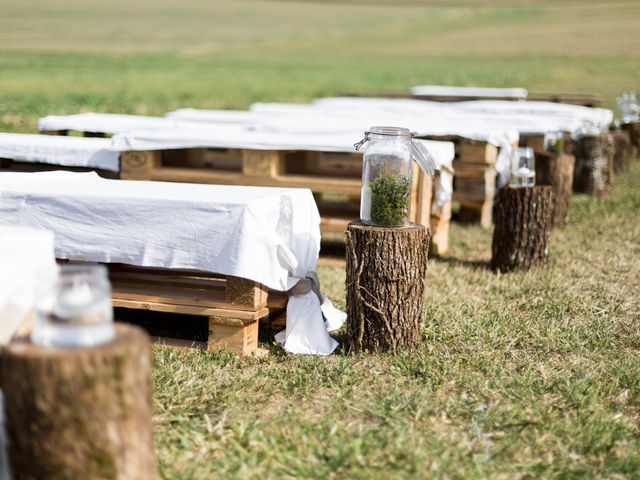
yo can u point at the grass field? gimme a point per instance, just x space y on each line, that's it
523 375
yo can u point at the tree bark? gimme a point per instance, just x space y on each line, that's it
622 151
633 129
556 170
80 413
385 286
593 172
523 218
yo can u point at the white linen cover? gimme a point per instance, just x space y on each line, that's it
447 91
27 266
269 235
358 114
60 150
109 123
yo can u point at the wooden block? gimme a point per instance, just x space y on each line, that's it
422 197
242 340
476 152
245 293
440 228
262 163
334 164
139 164
534 141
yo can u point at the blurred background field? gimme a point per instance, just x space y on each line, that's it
524 375
149 57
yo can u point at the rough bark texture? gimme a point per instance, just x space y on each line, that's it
633 129
522 218
622 151
556 170
593 172
385 286
83 413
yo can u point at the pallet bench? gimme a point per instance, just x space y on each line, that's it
333 176
231 306
241 231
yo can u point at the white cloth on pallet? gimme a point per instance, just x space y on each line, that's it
59 150
447 91
269 235
108 123
27 266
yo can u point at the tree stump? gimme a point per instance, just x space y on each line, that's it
385 286
593 171
633 130
522 218
556 170
622 151
81 413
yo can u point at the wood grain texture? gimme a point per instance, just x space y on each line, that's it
80 413
523 218
593 173
556 170
386 268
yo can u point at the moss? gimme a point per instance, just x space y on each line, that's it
389 200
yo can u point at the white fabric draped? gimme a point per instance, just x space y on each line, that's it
269 235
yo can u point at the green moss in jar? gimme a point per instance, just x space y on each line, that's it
389 200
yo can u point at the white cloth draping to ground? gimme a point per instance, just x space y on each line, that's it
27 267
60 150
447 91
269 235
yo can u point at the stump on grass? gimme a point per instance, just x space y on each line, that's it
556 170
593 171
80 413
622 151
385 286
522 218
633 130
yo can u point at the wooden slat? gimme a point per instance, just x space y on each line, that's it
319 184
236 317
262 163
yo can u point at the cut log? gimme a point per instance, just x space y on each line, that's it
522 218
556 170
623 151
593 172
80 413
385 286
633 129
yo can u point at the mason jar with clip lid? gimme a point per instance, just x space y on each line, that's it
387 174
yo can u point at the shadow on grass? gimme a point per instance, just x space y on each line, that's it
457 262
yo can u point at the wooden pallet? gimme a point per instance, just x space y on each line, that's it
475 178
334 178
231 306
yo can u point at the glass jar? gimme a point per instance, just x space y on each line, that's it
386 177
523 172
554 142
77 311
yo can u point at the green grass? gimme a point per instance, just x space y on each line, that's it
523 375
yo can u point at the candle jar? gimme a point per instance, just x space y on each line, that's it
386 177
523 173
628 106
77 311
554 142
